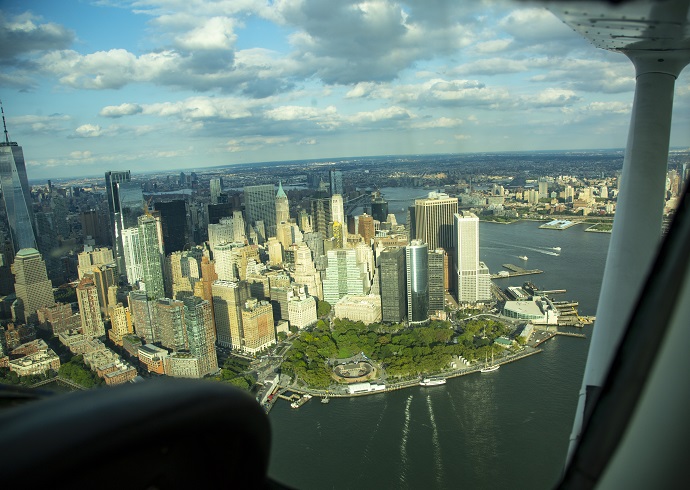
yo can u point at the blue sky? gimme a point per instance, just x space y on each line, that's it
169 84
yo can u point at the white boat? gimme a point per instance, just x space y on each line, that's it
325 399
523 257
432 382
305 398
557 249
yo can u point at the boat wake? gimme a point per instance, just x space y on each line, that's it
365 452
437 445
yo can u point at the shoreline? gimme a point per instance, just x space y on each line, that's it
529 351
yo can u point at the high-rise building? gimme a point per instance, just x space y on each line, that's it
174 225
344 275
89 309
336 181
473 280
131 249
47 240
31 284
104 276
16 194
183 271
434 220
379 208
142 314
338 220
543 188
120 323
366 228
258 331
215 190
417 264
260 205
437 290
170 322
228 299
392 285
201 334
112 180
305 272
320 209
151 256
282 205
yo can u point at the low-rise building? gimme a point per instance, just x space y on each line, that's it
153 357
357 308
40 360
183 365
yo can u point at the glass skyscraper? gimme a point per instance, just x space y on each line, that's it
151 257
16 196
417 263
260 205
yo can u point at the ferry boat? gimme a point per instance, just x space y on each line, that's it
432 382
522 257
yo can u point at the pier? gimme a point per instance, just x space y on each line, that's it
514 271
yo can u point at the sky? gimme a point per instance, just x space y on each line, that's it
153 85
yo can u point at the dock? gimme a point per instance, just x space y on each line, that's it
514 271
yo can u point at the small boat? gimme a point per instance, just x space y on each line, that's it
522 257
325 399
432 382
305 398
557 249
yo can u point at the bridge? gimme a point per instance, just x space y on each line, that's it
59 379
351 204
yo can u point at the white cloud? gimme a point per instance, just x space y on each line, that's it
88 131
126 109
215 33
80 155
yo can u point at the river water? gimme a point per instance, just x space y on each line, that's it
507 429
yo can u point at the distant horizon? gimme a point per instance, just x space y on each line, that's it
277 163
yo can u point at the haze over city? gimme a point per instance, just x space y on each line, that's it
95 86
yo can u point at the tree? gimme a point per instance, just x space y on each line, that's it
323 308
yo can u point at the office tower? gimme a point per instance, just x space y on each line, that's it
104 277
275 251
543 188
392 285
336 180
183 180
282 205
343 275
225 261
217 211
473 280
142 314
16 194
417 264
258 331
89 309
437 280
174 225
116 182
410 225
47 240
214 190
201 334
183 271
94 224
228 299
320 209
208 277
170 324
131 248
305 272
366 228
301 308
31 284
260 205
120 323
434 220
151 256
379 208
338 220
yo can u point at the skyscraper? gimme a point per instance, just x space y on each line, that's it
16 195
416 262
214 185
379 208
343 276
125 205
336 180
151 256
174 224
392 285
473 280
437 290
89 309
434 220
201 334
338 219
257 325
260 205
282 206
170 322
228 299
31 284
366 228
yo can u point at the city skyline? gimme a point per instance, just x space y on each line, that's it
211 84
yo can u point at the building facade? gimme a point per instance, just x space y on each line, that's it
417 265
393 284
